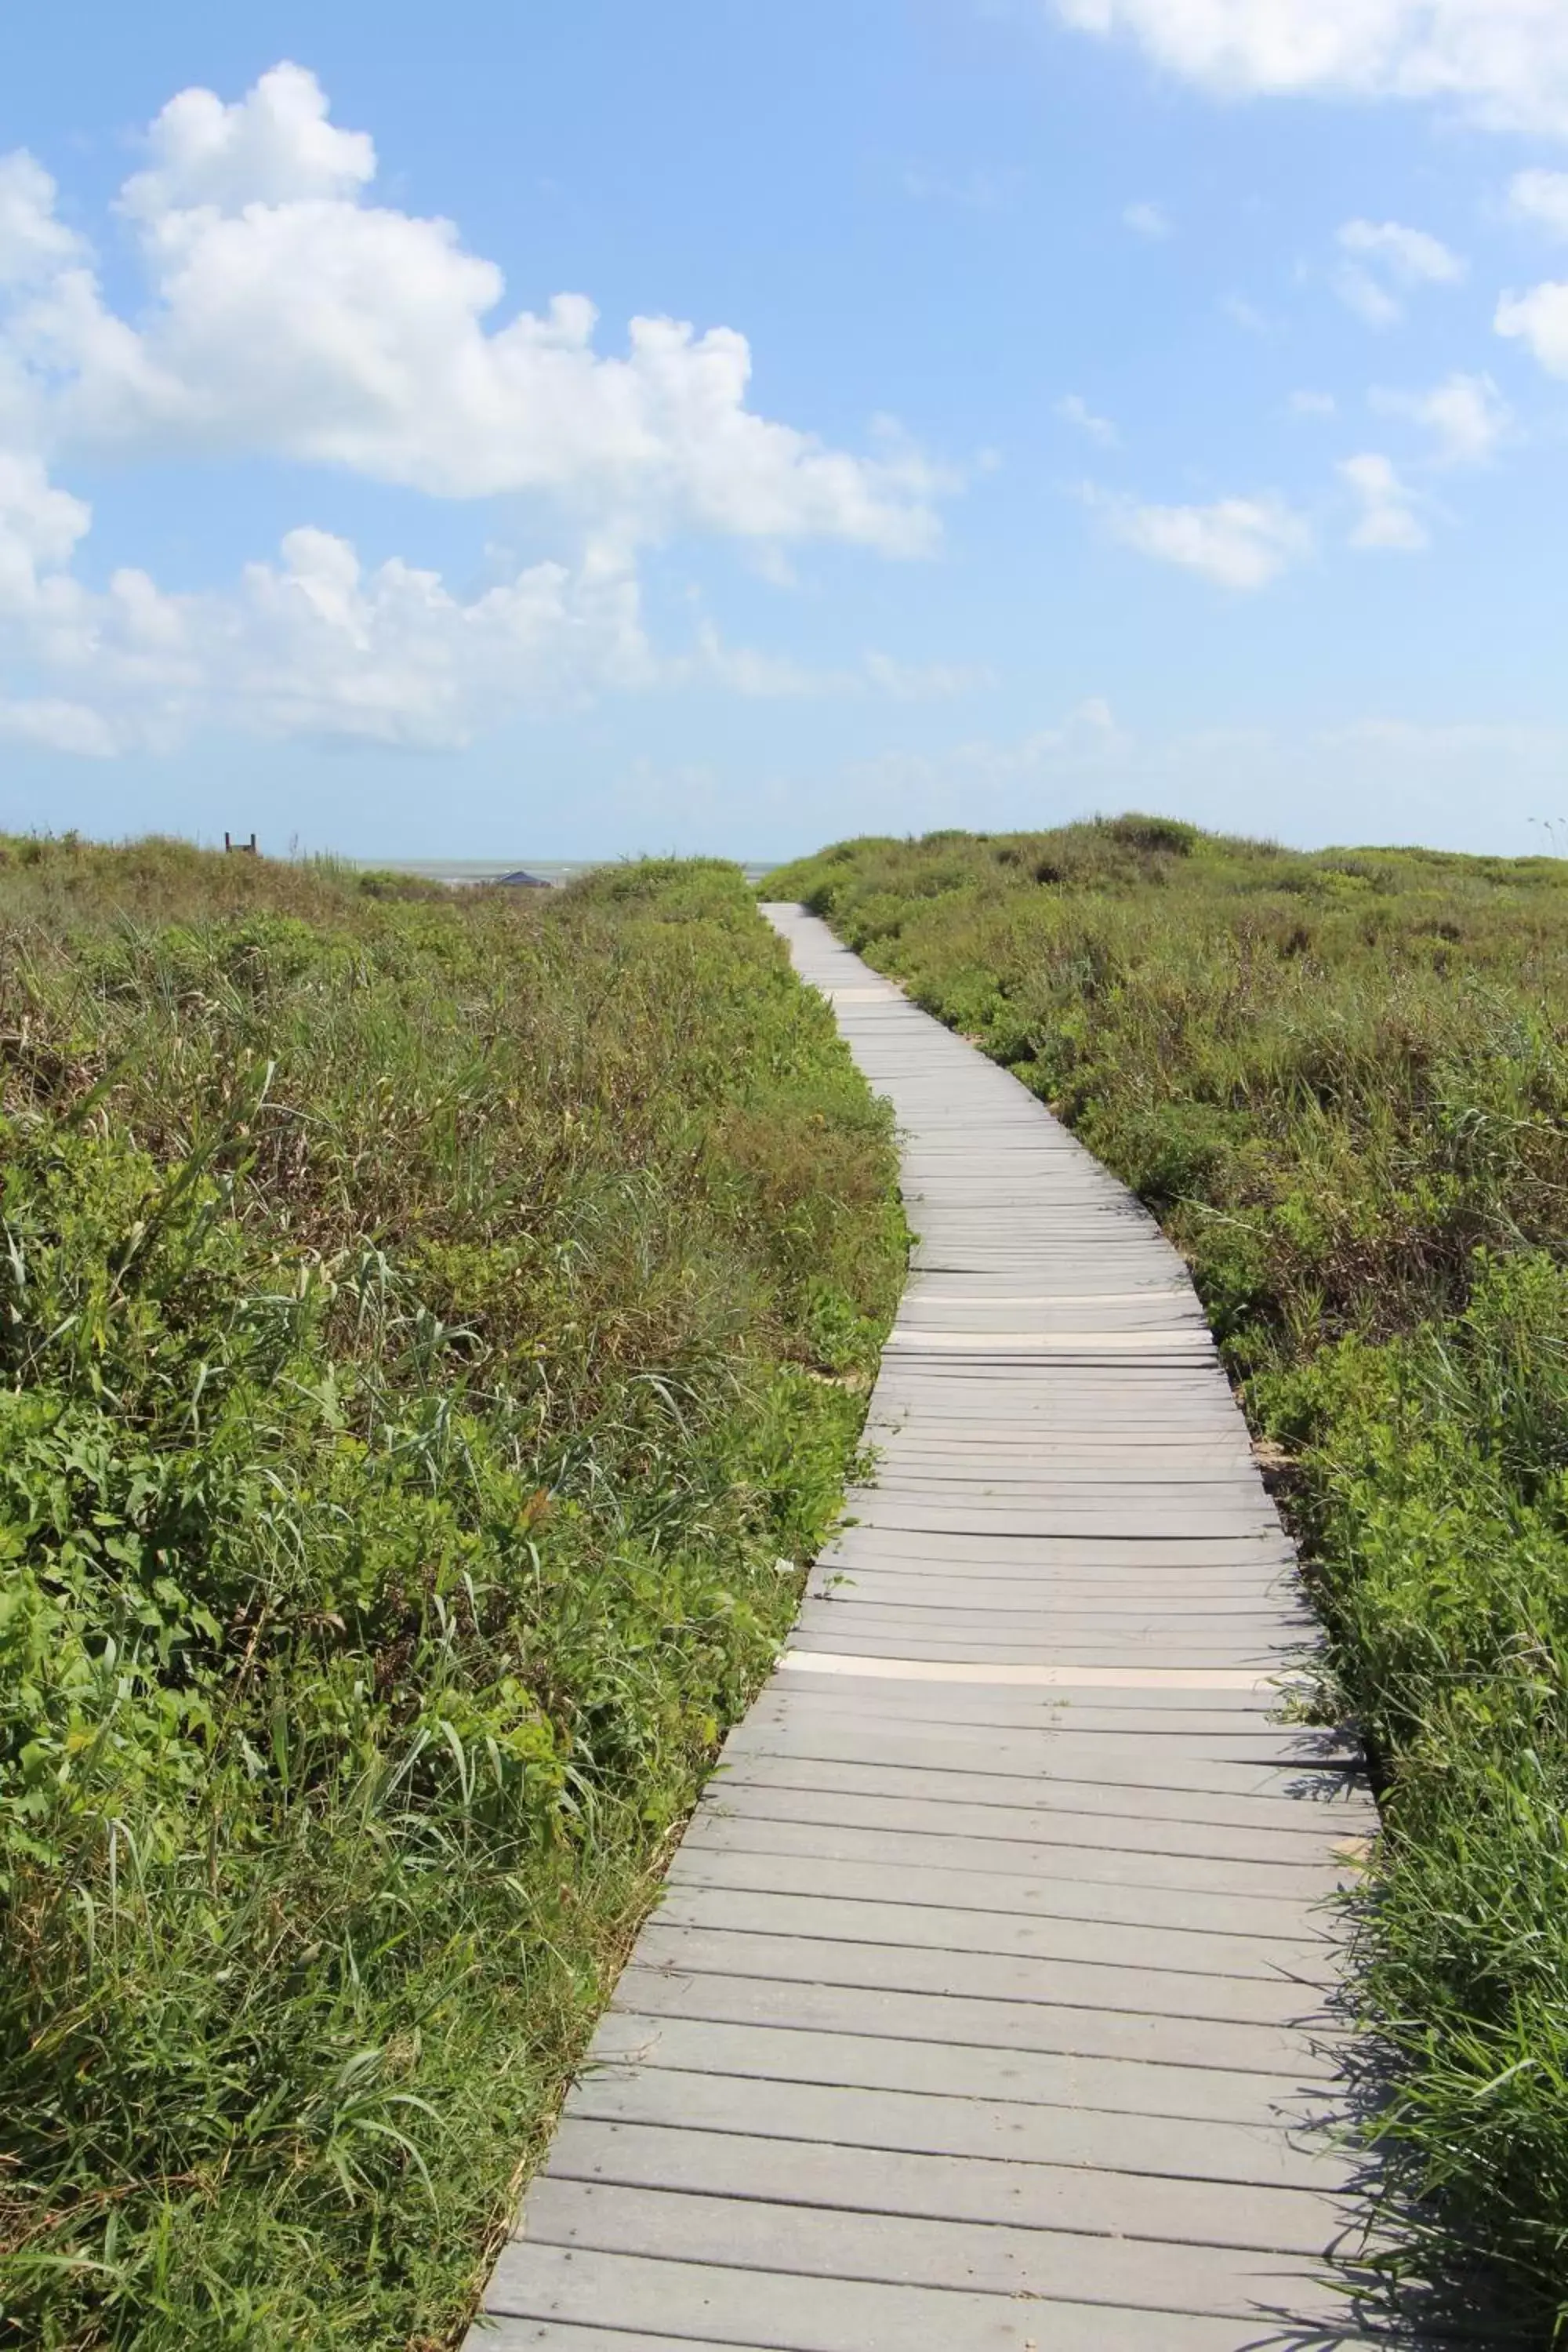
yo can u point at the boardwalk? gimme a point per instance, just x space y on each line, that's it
985 2007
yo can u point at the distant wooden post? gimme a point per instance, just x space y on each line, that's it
240 848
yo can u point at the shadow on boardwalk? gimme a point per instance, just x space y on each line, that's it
1399 2272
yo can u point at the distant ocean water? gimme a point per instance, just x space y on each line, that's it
490 869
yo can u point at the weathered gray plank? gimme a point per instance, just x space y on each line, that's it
1051 1619
1077 2139
1244 1745
1085 1882
1166 1824
998 2259
986 1976
1079 2198
496 2332
855 1635
1072 1933
965 2020
709 2304
1218 1732
810 1791
1252 1860
1023 2078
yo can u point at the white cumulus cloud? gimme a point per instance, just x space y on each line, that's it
1238 542
285 314
316 645
34 244
39 529
1387 519
310 642
1503 62
272 147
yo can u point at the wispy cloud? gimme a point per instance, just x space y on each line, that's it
1385 260
779 677
924 681
1466 416
1387 519
1541 197
1246 315
1373 303
1241 543
1075 411
975 191
1147 220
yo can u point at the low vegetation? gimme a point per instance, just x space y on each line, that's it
1342 1083
433 1331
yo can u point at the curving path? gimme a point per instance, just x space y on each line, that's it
986 2005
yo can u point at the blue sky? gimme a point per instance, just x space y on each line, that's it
1156 402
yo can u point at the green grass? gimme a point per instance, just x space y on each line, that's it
434 1332
1340 1081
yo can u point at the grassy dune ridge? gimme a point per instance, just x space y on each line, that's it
1340 1081
434 1332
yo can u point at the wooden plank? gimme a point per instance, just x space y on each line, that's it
1076 2139
805 2241
877 1661
1258 1829
1039 1555
1102 1598
885 1798
1175 1888
1081 2198
997 1977
782 2311
495 2333
1021 2078
1211 1661
1297 1871
1078 2030
1072 1932
1084 1882
1222 1756
1225 1727
867 1633
1016 1752
1225 1621
1273 1633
